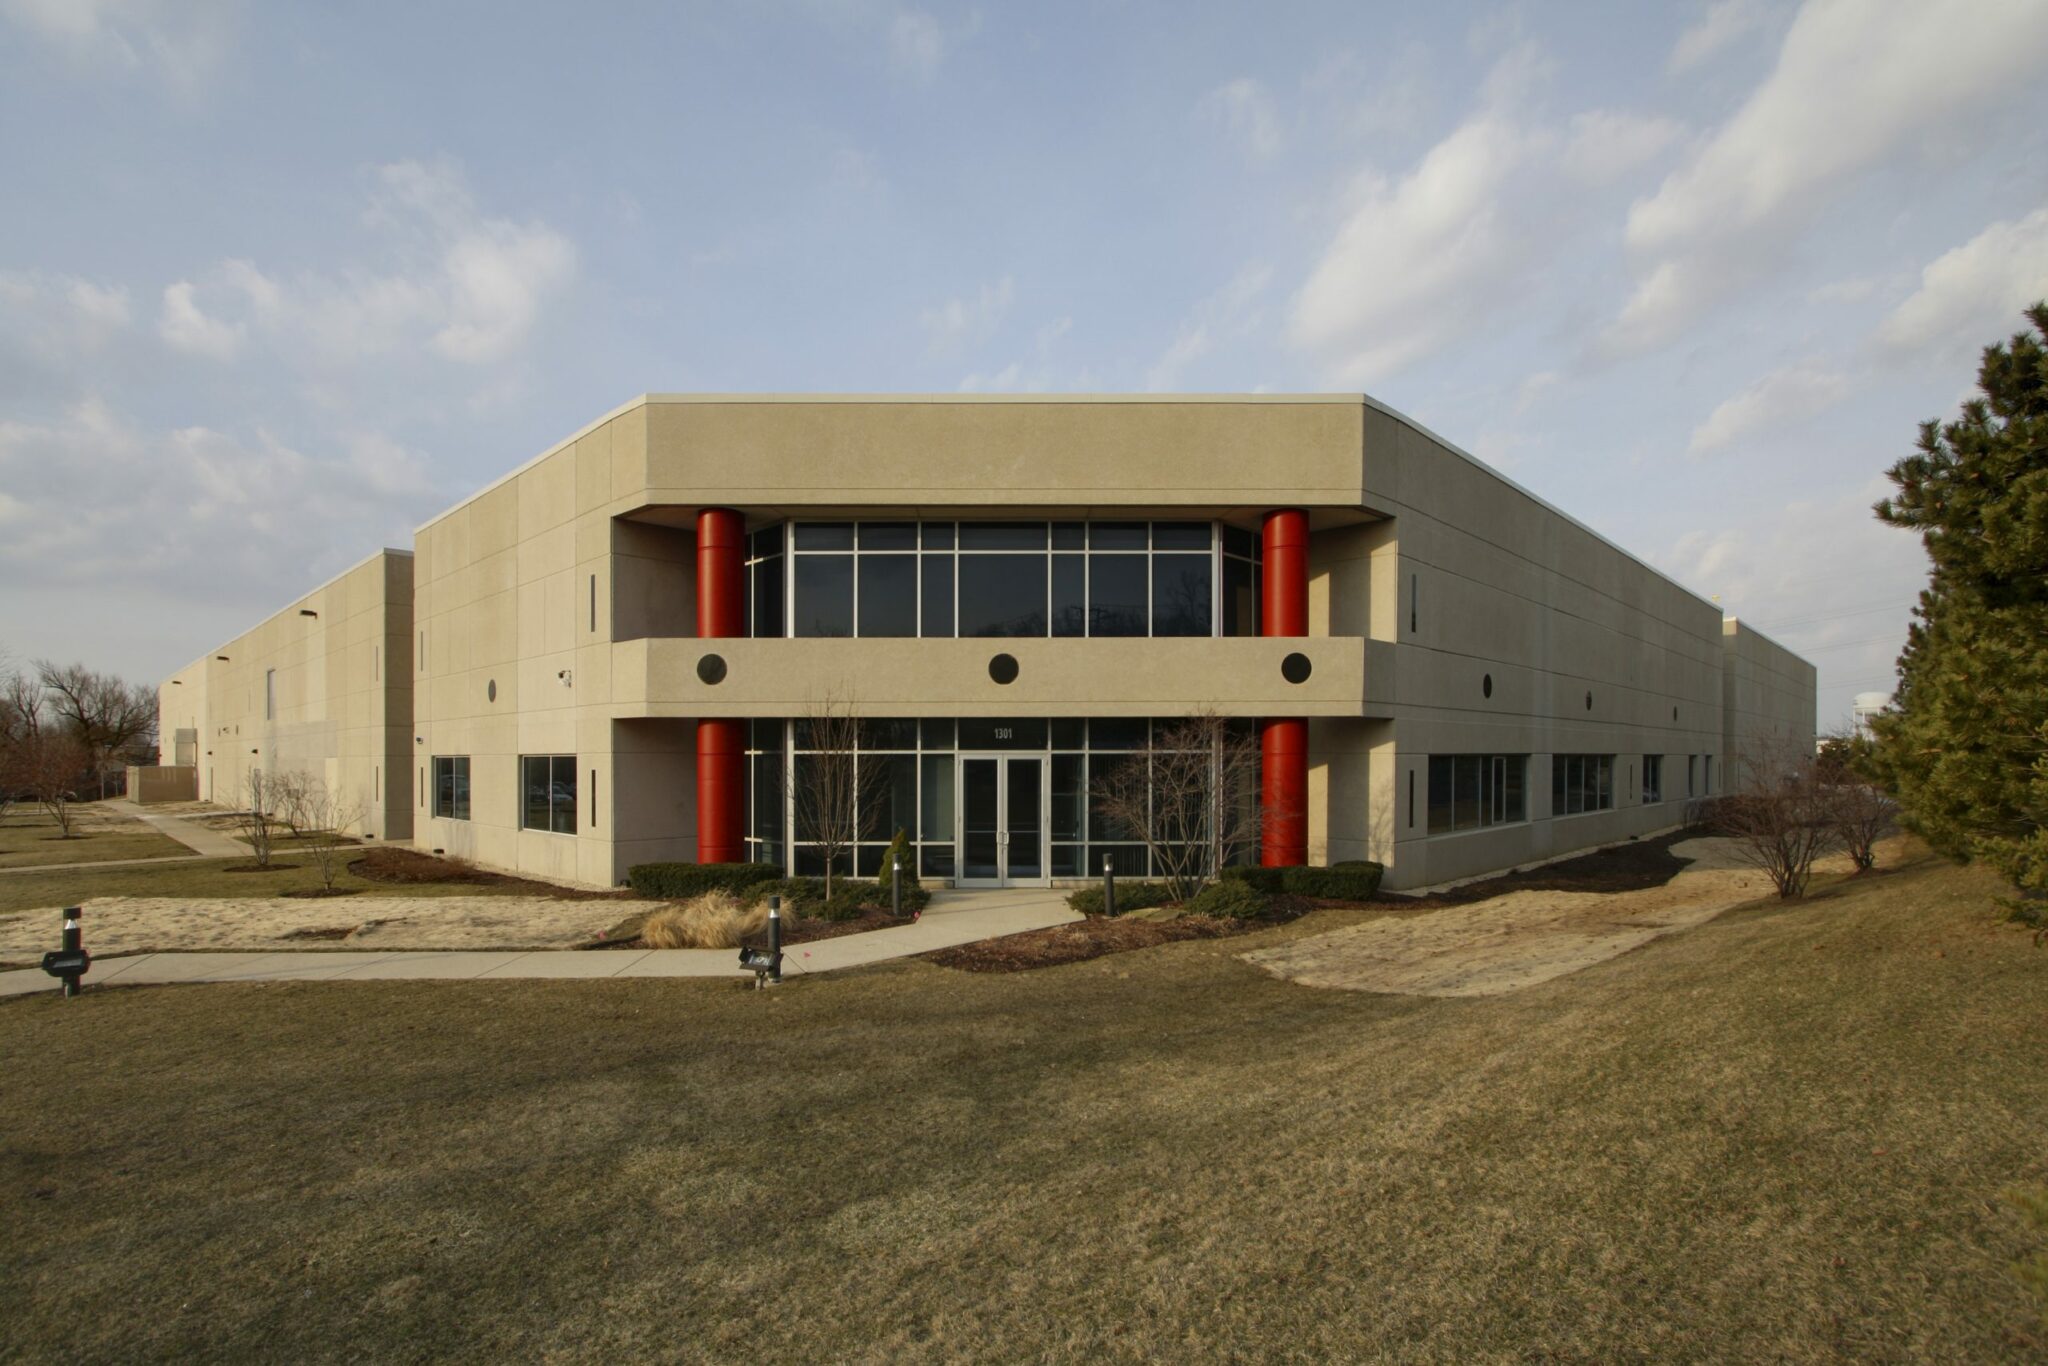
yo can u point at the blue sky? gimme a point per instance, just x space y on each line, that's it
1692 272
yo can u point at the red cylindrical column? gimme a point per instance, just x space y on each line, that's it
1283 741
721 791
721 744
721 573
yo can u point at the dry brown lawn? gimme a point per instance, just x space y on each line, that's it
29 837
1782 1135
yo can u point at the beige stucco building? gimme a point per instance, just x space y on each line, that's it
323 689
607 648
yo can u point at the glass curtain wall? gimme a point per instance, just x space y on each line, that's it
993 580
920 760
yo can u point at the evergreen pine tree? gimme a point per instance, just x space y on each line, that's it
1966 743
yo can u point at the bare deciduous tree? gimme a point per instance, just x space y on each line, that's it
328 815
54 760
1192 801
257 824
829 787
293 797
21 727
1862 812
113 719
1779 812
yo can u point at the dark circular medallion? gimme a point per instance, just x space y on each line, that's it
1486 686
711 669
1296 668
1003 668
491 691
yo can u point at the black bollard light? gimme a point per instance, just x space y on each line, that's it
775 940
71 962
896 887
1108 887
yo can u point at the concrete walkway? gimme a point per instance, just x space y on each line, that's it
953 918
184 829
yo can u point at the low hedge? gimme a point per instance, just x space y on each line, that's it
1130 896
1229 899
675 881
1352 880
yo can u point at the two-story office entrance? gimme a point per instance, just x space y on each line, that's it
1002 821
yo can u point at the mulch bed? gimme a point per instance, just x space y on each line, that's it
313 893
1097 936
390 863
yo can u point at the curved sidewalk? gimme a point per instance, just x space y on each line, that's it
952 919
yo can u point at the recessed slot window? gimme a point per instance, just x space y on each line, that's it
1653 779
548 793
1581 783
451 786
270 694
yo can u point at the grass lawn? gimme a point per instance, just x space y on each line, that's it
29 837
201 878
1783 1135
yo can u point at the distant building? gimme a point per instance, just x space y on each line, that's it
1867 705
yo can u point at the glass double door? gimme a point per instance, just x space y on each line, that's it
1002 820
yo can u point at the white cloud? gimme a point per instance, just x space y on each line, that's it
1723 25
456 283
963 320
184 41
92 488
1418 259
1605 145
1246 114
1788 395
917 45
1223 316
1973 295
57 317
1724 216
184 326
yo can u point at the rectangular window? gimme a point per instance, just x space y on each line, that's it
1707 787
1002 595
270 694
824 595
1183 601
1692 773
548 793
935 611
1117 595
888 593
1474 791
1653 779
451 787
1580 783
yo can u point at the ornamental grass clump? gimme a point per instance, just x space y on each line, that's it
715 920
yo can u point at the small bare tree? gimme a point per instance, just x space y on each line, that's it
1192 801
1779 812
1862 813
53 762
257 823
829 786
328 815
293 798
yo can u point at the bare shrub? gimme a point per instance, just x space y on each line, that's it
1780 814
328 815
52 761
1193 800
715 920
292 798
257 823
1862 812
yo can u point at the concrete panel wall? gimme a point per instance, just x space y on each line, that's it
1767 694
322 688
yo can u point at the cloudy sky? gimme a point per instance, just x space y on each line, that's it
1693 272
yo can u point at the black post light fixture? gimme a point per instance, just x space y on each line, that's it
766 964
70 962
1108 887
